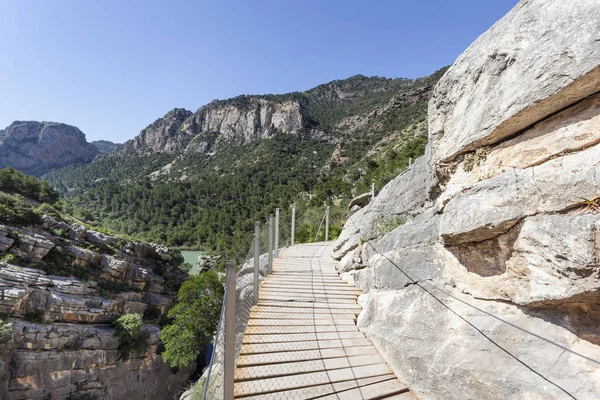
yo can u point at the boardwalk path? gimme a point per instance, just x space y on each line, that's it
302 341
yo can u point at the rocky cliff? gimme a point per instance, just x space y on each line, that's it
61 287
352 108
236 121
481 261
38 147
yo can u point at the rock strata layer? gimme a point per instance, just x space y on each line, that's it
63 342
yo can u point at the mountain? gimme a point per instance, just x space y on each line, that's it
339 108
38 147
105 146
201 178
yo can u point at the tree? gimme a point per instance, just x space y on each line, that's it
195 318
132 338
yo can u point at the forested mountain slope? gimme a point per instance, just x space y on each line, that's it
200 179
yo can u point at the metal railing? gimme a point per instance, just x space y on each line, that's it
242 294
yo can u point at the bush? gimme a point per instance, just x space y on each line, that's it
186 266
110 288
5 331
49 210
34 316
9 258
195 318
14 181
15 210
132 339
152 314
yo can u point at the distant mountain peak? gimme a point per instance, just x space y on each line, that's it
36 147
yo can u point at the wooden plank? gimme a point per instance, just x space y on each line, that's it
305 321
303 355
308 304
374 391
309 295
312 288
284 315
283 369
269 330
298 337
307 345
282 297
270 385
311 311
403 396
320 390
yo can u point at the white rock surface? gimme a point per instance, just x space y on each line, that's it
540 58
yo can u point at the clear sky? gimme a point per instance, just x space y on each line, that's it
111 67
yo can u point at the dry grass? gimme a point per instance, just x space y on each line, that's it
589 205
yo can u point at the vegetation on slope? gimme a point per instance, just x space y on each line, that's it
211 201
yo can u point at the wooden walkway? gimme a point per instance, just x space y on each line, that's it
302 341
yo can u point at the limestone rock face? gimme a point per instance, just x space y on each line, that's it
220 123
38 147
63 339
540 58
158 135
496 226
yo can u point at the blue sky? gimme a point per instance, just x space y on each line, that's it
113 67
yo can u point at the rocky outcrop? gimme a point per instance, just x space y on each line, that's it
39 147
61 294
481 260
161 134
478 102
236 121
105 146
60 361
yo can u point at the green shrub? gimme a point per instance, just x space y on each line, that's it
197 389
152 314
391 224
15 210
195 318
14 181
132 338
49 210
5 331
186 266
110 288
34 316
9 258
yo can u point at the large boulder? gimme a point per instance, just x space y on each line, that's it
540 58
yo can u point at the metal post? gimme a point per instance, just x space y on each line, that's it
229 356
293 224
372 190
276 232
327 224
270 254
410 161
256 259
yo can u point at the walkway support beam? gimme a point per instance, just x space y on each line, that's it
256 259
270 254
229 356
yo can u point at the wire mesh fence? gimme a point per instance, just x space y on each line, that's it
265 334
